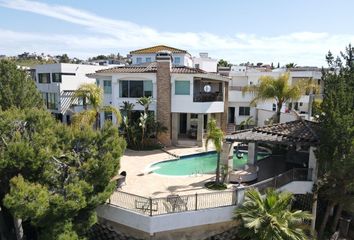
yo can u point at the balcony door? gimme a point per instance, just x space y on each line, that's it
183 123
231 115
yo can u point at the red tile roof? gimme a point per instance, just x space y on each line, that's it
150 68
299 131
156 49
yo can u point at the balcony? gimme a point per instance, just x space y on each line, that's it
205 90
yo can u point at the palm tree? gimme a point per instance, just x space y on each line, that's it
145 102
93 95
290 65
280 90
245 124
215 135
271 217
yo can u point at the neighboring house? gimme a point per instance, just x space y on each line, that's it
146 55
239 104
205 63
57 83
184 97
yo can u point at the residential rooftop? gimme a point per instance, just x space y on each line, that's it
158 48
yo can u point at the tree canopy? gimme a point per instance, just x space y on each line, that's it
53 176
224 63
336 151
17 89
271 217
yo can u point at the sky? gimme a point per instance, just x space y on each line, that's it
299 31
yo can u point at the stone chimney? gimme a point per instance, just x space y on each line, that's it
163 105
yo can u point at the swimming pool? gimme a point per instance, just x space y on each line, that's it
197 164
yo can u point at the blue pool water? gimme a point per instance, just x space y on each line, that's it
197 163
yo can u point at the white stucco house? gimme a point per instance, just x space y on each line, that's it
147 55
57 82
239 104
184 97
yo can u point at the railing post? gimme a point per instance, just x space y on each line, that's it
150 201
196 201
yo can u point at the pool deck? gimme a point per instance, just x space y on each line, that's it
143 183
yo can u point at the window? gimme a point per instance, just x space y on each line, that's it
138 60
300 103
108 116
177 60
50 100
135 88
43 77
107 86
182 87
148 59
97 82
274 107
244 111
197 65
56 77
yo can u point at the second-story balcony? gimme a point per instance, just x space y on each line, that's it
206 90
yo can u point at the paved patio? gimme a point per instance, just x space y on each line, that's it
142 183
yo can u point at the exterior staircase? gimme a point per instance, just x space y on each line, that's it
231 128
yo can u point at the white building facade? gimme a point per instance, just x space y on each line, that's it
184 98
239 104
57 82
147 55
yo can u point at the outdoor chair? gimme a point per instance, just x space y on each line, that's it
145 205
121 180
177 202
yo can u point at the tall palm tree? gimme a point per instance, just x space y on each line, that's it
279 89
93 96
271 217
216 136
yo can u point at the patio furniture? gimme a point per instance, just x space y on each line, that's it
144 205
177 202
121 180
247 174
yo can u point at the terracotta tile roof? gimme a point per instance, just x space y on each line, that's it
156 49
150 68
300 131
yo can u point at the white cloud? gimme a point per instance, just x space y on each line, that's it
110 35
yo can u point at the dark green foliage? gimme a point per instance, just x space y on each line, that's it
336 151
17 89
54 176
224 63
270 217
141 131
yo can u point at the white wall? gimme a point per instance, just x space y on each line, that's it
185 104
206 64
69 82
298 187
182 220
263 115
185 58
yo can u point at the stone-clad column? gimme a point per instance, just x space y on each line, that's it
175 125
252 153
163 105
200 130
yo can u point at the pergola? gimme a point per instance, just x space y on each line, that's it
296 133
